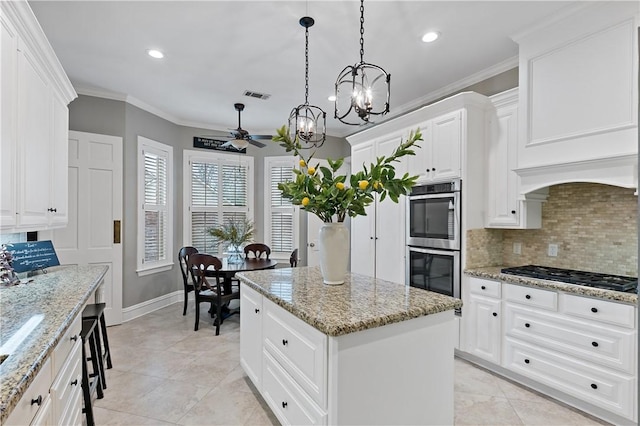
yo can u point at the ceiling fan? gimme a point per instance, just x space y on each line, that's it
242 138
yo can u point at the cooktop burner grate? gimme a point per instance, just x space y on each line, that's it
590 279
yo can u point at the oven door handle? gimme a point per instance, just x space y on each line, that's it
432 196
433 251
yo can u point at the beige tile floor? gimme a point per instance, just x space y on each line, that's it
166 374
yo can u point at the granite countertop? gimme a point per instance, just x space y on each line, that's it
493 273
360 303
51 302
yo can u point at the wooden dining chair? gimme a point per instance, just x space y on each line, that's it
183 260
208 286
257 249
293 260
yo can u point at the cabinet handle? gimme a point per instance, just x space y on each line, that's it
74 338
74 383
594 386
371 238
528 296
257 311
285 342
433 169
513 212
51 209
284 404
594 310
526 324
483 287
526 361
495 314
37 401
594 344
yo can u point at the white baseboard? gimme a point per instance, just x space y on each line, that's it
149 306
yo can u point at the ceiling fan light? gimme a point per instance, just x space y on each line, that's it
239 144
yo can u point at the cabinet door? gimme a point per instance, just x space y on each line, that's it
8 143
502 182
59 216
420 164
363 227
483 328
446 146
34 136
390 232
251 334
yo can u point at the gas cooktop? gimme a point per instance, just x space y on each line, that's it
590 279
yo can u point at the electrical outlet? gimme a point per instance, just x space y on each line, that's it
553 250
517 248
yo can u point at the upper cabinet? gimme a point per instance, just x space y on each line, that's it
579 97
35 126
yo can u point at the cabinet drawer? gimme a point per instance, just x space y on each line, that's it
44 416
67 382
73 414
25 410
288 401
608 346
530 296
64 346
599 310
298 347
601 387
484 287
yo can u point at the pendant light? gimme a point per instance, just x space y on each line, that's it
307 122
362 90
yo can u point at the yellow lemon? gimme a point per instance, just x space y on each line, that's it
305 201
363 184
340 185
303 163
311 170
377 185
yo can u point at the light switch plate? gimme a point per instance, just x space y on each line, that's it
553 250
517 248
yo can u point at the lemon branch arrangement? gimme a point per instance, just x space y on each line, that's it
319 190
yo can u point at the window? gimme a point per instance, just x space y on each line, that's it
217 188
281 217
155 198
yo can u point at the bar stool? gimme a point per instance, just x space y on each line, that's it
90 382
96 312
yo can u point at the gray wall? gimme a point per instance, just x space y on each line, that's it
117 118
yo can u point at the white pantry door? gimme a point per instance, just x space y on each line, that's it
95 206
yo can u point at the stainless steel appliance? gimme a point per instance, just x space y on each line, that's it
433 215
434 270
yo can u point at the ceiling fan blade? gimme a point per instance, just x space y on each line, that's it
268 137
256 143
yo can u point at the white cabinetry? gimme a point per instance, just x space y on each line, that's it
251 343
482 319
377 240
506 207
579 97
34 125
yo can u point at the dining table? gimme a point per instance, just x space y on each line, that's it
228 270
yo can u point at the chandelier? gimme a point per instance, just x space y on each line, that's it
362 90
307 122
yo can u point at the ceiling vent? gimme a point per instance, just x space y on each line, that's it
256 95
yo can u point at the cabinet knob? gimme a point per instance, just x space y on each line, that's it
495 314
257 311
526 324
594 344
483 287
285 342
433 169
528 296
284 404
37 401
526 361
74 383
594 386
513 212
51 209
594 310
74 338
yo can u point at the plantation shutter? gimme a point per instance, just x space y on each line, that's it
281 211
155 207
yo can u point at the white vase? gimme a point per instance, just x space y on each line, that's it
334 252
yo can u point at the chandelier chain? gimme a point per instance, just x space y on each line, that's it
306 66
361 31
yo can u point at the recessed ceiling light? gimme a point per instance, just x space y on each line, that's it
430 36
155 53
332 98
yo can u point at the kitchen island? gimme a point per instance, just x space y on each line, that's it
365 352
36 320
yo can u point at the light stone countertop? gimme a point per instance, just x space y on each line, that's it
54 299
493 273
360 303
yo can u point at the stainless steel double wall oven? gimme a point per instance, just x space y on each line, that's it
433 237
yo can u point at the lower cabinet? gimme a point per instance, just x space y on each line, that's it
251 342
583 347
55 395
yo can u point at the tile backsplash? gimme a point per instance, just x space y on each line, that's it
594 226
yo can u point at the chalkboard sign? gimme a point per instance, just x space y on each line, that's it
216 144
32 255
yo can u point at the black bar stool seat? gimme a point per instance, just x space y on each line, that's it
90 382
